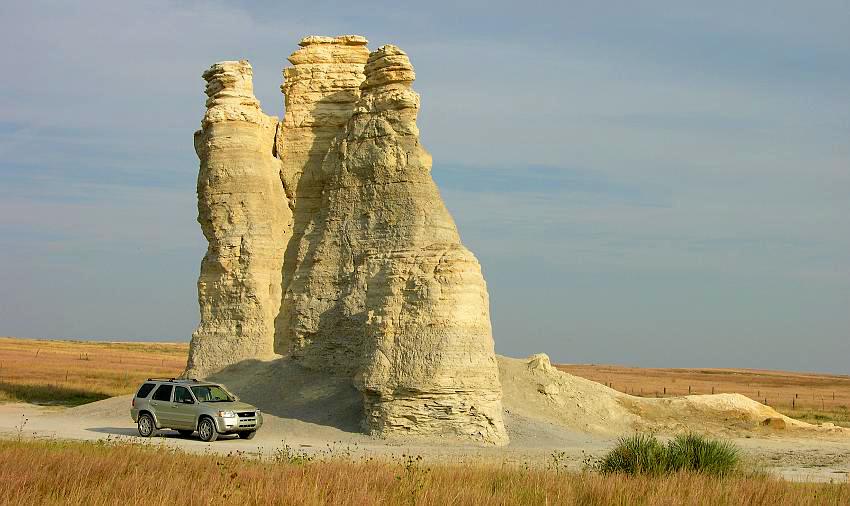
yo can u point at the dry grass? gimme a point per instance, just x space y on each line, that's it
46 472
810 397
76 372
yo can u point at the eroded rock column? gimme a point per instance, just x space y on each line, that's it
245 216
321 88
396 298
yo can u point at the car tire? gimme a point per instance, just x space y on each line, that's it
247 434
185 433
146 425
207 431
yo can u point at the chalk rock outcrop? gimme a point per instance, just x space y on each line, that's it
320 88
329 243
244 216
387 292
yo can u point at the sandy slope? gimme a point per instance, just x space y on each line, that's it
546 411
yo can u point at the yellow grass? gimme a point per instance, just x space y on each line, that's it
810 397
76 372
44 472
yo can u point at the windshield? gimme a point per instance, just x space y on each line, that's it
212 393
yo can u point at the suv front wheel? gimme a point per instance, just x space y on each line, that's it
146 425
207 430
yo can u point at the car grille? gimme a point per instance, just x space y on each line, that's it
247 419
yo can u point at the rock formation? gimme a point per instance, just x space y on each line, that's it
244 215
320 89
387 290
377 286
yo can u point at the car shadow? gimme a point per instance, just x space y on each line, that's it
165 433
115 431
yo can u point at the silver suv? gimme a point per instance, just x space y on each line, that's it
191 405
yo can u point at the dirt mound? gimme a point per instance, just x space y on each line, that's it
534 389
107 408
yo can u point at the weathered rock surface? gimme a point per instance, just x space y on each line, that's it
244 216
330 244
321 88
386 291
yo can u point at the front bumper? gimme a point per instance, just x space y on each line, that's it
245 421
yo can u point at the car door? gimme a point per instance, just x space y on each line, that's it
183 408
161 405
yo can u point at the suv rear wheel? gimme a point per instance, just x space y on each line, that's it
207 430
247 434
145 425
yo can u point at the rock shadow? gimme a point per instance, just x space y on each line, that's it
286 389
308 214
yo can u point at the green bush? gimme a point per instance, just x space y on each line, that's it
693 452
638 454
644 454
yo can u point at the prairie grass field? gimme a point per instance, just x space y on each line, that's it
76 372
58 472
810 397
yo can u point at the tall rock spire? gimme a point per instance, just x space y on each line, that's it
320 88
244 216
387 292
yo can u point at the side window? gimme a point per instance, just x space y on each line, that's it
181 394
145 390
163 393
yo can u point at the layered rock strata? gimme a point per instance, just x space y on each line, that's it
329 243
320 89
387 291
244 216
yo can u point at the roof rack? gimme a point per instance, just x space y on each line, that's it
175 380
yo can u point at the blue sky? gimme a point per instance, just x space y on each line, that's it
653 183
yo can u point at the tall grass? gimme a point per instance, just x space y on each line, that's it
73 372
644 454
44 472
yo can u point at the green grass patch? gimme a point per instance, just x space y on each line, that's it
645 454
638 454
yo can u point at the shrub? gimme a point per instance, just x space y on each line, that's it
644 454
693 452
637 454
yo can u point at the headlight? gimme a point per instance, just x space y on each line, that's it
227 414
